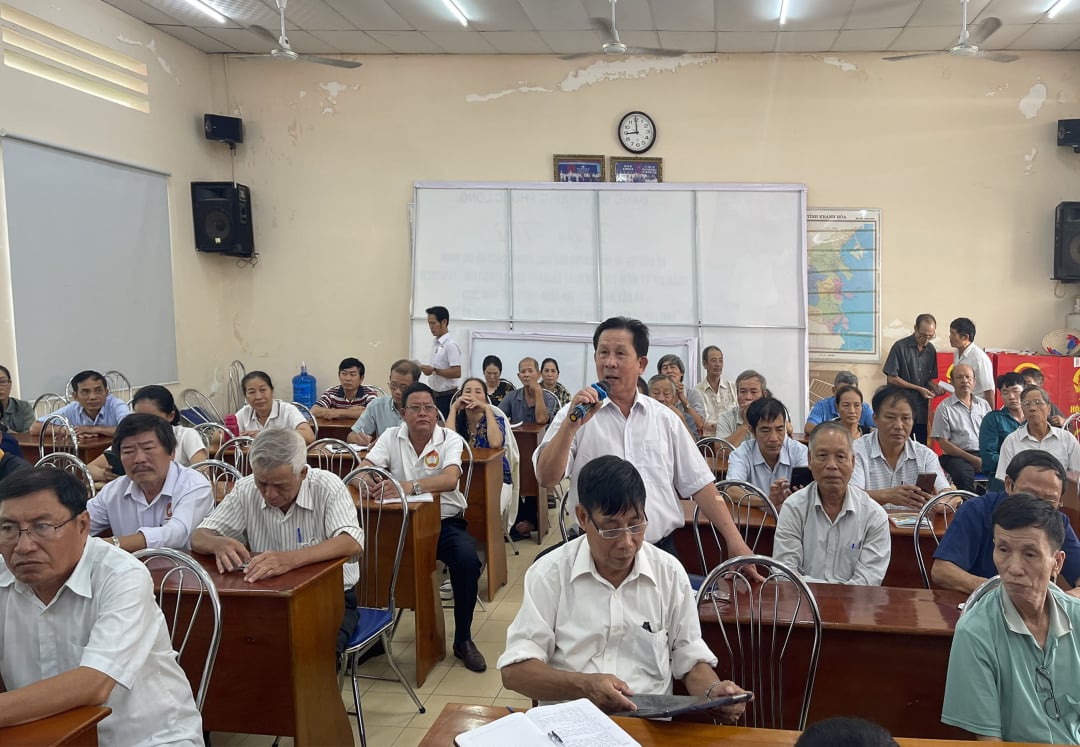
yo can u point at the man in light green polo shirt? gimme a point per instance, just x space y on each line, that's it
1014 668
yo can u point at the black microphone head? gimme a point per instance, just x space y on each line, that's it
603 385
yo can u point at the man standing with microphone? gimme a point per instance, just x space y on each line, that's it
638 429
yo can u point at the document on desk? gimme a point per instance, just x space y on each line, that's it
576 723
422 498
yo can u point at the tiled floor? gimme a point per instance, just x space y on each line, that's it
390 717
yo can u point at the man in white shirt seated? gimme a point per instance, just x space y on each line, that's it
888 462
157 503
79 624
1038 433
291 515
766 460
610 615
956 428
731 425
831 531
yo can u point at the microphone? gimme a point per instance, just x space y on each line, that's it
582 409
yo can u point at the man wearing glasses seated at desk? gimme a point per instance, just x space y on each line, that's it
612 615
79 625
385 412
1015 659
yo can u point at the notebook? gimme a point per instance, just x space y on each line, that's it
576 723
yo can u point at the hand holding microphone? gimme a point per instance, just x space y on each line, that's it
583 408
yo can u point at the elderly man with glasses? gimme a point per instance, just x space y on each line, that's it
1037 433
610 616
15 414
385 412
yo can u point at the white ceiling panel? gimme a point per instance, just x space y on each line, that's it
556 15
145 12
881 14
305 42
197 39
1048 36
817 15
745 41
406 42
864 40
925 39
1005 36
739 15
1070 14
629 14
685 15
310 14
943 12
461 42
691 41
371 15
521 42
640 38
425 15
354 42
1016 11
571 42
805 41
491 15
242 39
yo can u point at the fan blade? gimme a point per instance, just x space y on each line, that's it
998 56
603 26
984 30
265 33
578 55
913 56
656 52
329 61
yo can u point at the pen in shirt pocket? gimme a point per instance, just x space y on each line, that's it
856 545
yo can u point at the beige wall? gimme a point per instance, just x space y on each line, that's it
966 179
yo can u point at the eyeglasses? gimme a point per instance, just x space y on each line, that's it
396 387
417 409
5 382
39 530
1050 706
610 534
1034 403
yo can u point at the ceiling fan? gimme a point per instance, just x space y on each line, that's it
614 46
968 44
284 52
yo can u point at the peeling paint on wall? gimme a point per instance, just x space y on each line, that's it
999 89
1029 160
333 88
1030 104
628 68
845 67
151 46
474 98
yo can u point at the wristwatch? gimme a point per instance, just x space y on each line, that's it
416 488
116 541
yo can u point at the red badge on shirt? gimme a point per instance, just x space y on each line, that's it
431 459
168 510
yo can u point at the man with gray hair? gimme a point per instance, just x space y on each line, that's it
826 410
290 515
749 388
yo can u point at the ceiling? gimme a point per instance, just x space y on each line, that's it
563 27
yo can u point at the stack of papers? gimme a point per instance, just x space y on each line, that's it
907 520
576 723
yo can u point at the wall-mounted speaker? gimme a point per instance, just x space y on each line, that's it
1067 242
222 213
225 129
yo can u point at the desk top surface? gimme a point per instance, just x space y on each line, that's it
457 718
287 584
53 730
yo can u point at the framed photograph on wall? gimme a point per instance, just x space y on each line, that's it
572 168
635 170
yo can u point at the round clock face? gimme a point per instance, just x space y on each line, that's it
637 133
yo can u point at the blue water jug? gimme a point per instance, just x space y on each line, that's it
303 387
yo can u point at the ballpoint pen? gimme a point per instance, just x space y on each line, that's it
554 737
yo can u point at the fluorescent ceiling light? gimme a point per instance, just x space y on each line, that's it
453 8
1056 8
207 10
783 11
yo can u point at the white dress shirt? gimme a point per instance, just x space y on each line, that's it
104 617
167 521
854 549
729 421
959 423
395 453
872 472
282 415
323 509
1058 442
747 464
980 363
445 353
574 620
716 400
188 444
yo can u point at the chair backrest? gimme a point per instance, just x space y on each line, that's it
235 452
213 435
379 389
819 390
467 471
222 476
184 586
381 561
333 455
946 504
771 630
72 465
306 412
716 452
57 435
48 403
750 507
1072 424
551 402
988 585
234 390
198 408
118 384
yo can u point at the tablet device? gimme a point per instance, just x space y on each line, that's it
925 482
663 706
115 464
800 477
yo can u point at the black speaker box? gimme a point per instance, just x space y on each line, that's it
1067 242
226 129
222 212
1069 132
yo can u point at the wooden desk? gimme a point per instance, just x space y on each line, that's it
77 728
483 514
90 447
275 671
903 571
528 437
416 587
335 427
457 718
884 655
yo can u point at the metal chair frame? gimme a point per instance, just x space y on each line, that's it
370 514
72 465
206 431
758 656
925 520
239 454
193 399
740 507
234 392
333 460
713 446
988 585
184 570
306 412
217 470
54 426
117 383
51 400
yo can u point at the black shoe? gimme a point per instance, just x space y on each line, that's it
470 656
371 653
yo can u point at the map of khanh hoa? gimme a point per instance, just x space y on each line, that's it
843 253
